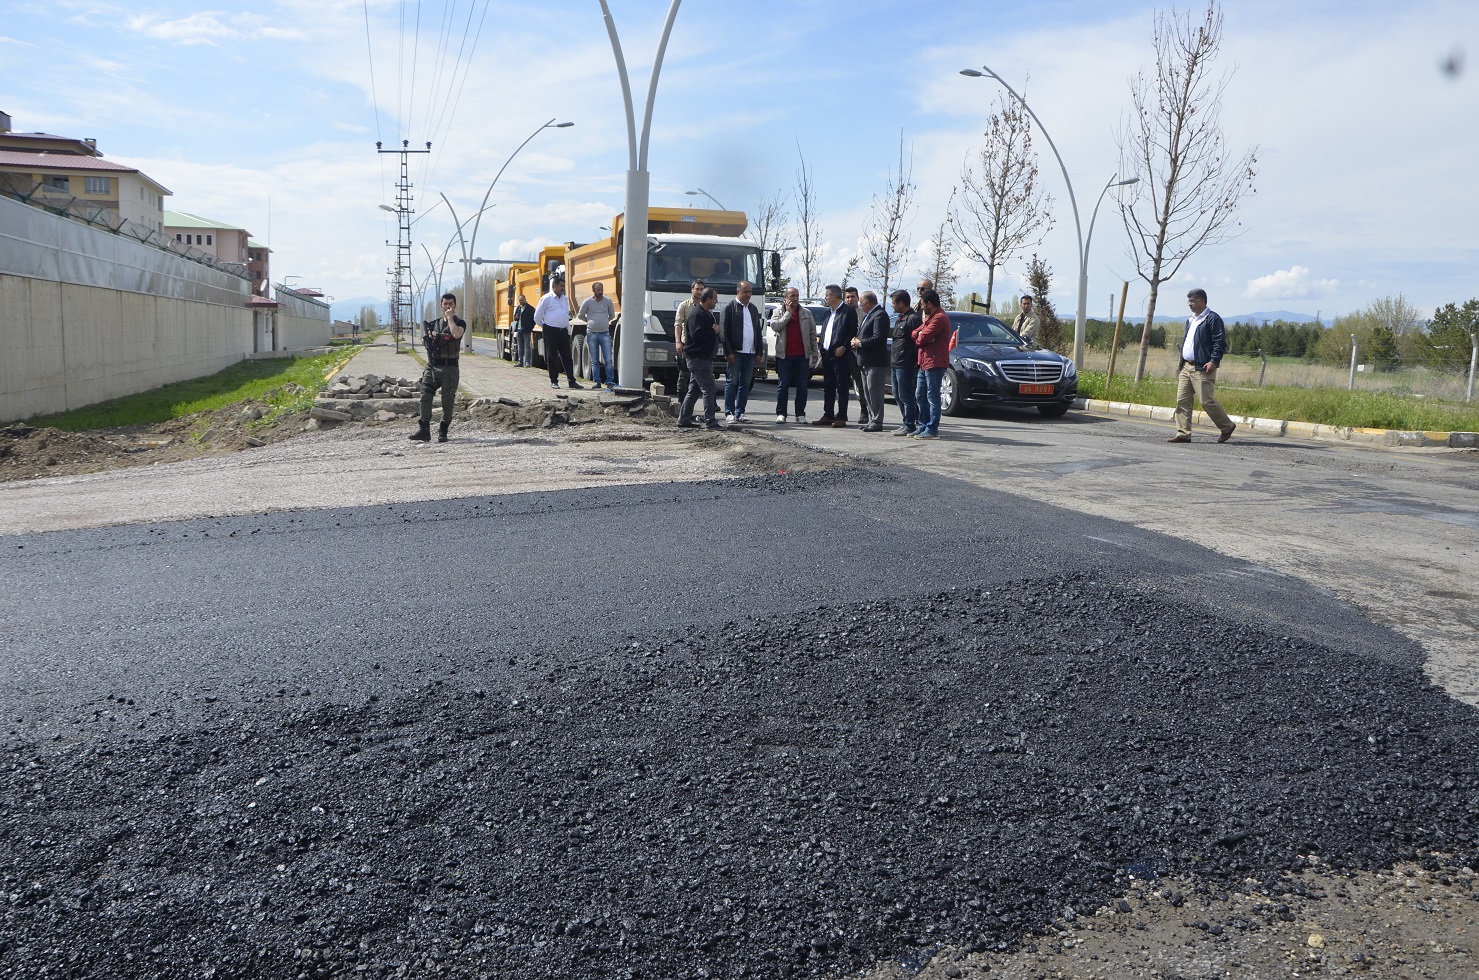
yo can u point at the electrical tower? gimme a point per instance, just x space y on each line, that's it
400 283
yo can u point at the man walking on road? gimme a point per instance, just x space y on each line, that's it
871 349
1201 354
523 333
904 358
933 340
443 341
597 312
700 340
837 335
553 317
1028 324
741 336
795 353
680 319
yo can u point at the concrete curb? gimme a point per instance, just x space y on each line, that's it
1396 438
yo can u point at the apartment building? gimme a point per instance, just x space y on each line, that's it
71 173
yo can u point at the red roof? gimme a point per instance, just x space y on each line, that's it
59 161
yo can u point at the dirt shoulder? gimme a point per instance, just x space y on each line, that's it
104 478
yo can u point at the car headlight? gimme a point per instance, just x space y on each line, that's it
972 364
1069 371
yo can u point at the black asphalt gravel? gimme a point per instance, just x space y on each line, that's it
786 726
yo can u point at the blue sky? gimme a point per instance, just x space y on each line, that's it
1365 188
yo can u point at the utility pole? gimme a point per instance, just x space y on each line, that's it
400 303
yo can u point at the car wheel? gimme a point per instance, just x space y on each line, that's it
950 401
1053 411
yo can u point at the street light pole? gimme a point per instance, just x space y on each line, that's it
706 194
1083 270
1083 295
631 358
469 248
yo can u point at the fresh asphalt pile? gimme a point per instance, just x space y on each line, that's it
778 796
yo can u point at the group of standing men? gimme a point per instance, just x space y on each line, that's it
552 316
855 345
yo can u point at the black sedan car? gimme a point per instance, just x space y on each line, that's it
991 365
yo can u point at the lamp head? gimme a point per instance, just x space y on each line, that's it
564 125
387 207
970 73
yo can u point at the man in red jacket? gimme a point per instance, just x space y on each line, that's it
933 340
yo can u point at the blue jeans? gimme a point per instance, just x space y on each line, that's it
927 394
524 348
791 372
603 371
906 379
737 379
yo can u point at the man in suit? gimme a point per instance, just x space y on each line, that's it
741 326
1201 354
838 332
871 348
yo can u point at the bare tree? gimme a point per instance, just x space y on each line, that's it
808 228
939 267
1189 187
768 223
887 232
998 210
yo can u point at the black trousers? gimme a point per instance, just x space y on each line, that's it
557 352
837 377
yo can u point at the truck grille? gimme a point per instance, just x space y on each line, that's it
1031 372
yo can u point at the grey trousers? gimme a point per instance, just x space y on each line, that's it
701 372
873 378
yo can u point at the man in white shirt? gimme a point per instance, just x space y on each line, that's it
740 333
552 315
1201 354
597 312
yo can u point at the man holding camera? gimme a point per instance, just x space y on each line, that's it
442 339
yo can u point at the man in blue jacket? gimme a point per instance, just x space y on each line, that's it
1201 353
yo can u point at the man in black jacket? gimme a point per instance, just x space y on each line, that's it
871 348
838 331
904 356
442 338
1201 355
742 342
700 340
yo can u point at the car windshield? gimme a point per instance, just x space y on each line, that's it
720 264
978 328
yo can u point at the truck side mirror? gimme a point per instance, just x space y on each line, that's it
775 265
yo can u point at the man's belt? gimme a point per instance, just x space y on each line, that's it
441 361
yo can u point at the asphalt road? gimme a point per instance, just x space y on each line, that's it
741 727
1394 531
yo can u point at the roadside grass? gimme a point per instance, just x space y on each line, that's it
284 384
1322 406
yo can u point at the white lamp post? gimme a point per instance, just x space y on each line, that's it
706 194
632 332
1083 268
469 248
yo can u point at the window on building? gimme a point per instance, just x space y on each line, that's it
209 239
179 237
98 185
58 183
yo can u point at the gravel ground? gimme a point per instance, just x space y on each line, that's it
930 780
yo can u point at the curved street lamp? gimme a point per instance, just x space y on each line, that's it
631 355
469 248
1083 258
706 194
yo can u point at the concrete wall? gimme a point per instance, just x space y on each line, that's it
86 315
302 321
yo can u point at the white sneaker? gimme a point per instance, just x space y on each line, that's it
729 416
780 420
742 418
801 420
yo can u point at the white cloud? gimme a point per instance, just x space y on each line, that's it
209 27
1292 283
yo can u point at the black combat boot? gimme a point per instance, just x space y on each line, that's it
442 432
422 433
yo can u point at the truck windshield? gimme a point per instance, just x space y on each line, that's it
721 265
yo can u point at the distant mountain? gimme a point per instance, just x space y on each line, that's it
1256 319
348 309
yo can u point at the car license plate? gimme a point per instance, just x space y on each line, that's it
1034 389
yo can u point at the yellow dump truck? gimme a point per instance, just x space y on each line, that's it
682 245
531 280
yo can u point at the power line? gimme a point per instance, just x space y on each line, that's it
467 67
415 51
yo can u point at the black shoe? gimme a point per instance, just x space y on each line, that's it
442 432
577 386
824 420
687 425
422 433
713 426
872 428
